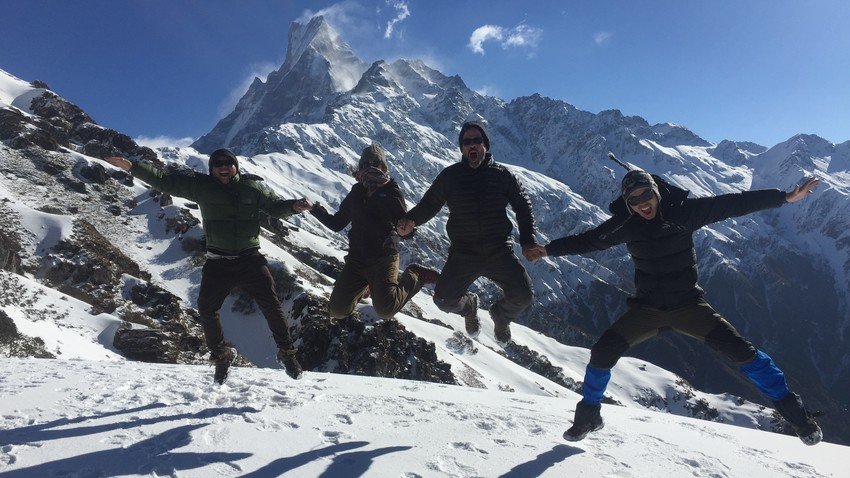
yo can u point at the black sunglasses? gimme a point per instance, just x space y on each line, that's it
471 141
217 163
640 198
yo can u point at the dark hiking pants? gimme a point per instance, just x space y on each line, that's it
698 320
389 289
251 273
503 268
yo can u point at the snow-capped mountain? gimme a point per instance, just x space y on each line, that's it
779 276
90 233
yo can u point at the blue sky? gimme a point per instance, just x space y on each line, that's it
757 71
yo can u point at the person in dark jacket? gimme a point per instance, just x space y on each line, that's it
230 207
477 191
372 207
656 221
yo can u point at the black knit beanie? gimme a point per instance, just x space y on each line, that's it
636 179
222 153
473 124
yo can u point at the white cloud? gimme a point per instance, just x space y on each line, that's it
521 36
256 70
485 33
602 37
403 12
164 141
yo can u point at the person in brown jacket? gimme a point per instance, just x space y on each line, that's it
372 207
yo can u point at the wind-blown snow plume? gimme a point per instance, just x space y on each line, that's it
403 12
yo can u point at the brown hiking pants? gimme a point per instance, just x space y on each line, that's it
252 274
389 289
698 320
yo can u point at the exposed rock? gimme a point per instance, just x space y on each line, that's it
94 173
539 364
15 344
353 346
146 345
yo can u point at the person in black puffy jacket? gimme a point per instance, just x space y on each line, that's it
656 221
477 191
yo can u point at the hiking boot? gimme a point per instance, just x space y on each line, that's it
427 276
801 420
222 361
587 419
502 331
501 328
473 325
287 359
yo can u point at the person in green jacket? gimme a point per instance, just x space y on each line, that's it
230 209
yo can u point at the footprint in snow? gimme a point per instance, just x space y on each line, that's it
345 419
467 446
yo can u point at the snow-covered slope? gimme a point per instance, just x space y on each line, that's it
85 418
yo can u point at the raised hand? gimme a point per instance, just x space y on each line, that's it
802 190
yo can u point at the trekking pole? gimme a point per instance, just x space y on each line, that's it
614 158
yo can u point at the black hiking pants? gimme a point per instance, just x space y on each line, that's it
501 267
698 320
252 274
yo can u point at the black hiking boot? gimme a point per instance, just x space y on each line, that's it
473 325
502 331
222 361
287 359
587 420
801 420
501 328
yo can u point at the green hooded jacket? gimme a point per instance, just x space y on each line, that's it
230 212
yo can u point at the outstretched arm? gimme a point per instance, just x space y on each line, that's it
608 234
334 222
430 204
176 184
521 204
707 210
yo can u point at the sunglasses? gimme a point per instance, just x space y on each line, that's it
471 141
217 163
640 198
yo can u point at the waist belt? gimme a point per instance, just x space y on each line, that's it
213 255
